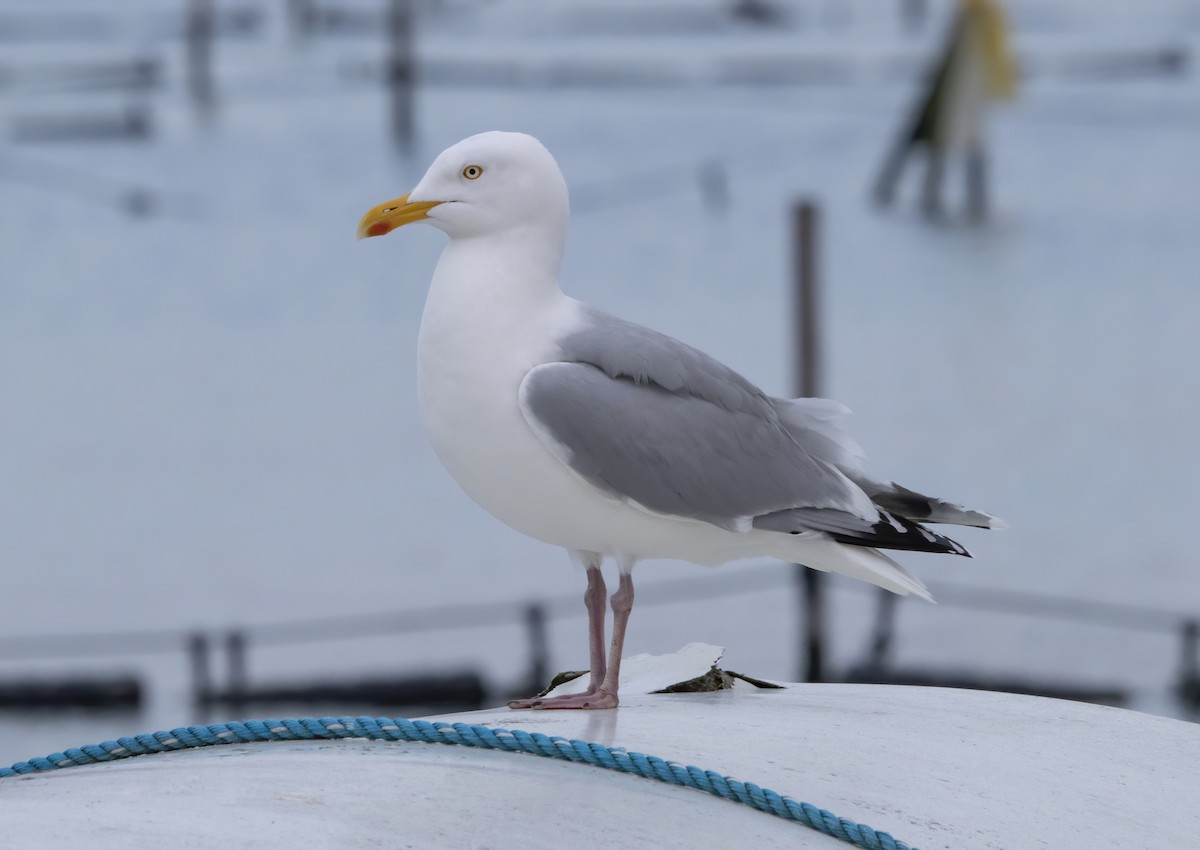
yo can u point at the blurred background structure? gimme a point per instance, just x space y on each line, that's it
215 494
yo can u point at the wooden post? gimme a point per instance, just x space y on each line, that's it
885 627
199 29
401 73
235 653
809 583
539 653
807 305
1189 668
198 654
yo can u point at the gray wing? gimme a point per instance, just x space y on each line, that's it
652 420
649 419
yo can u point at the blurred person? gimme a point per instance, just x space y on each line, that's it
975 68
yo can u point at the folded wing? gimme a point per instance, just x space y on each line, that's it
651 420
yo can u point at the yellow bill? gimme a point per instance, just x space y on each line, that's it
389 215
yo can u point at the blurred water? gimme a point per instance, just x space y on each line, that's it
208 417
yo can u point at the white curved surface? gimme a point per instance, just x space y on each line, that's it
936 768
369 794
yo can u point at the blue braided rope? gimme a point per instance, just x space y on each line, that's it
507 740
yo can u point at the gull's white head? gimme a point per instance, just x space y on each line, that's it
489 183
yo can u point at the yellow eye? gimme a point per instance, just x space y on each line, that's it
472 172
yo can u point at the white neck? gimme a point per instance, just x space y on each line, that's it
491 308
497 275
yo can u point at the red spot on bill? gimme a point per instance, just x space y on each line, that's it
379 228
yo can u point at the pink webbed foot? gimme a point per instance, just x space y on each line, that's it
585 701
531 702
602 687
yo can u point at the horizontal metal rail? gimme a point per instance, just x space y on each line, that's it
514 612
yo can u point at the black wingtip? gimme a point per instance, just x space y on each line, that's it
896 532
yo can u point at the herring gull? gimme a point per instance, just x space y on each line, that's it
610 439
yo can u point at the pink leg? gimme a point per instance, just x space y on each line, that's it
606 696
593 598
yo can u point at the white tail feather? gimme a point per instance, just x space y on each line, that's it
860 562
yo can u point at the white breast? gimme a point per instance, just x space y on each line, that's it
478 340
